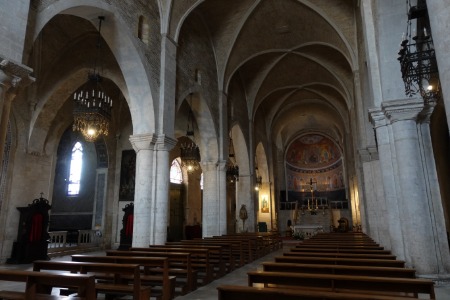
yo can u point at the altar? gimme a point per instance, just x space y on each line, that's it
308 230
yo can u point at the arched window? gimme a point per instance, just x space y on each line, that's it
76 162
143 30
175 172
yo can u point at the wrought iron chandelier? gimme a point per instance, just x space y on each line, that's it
190 153
92 106
232 167
417 56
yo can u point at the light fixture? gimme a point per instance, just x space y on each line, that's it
190 153
258 183
232 167
417 56
92 106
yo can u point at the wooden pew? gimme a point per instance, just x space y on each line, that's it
179 265
247 252
165 281
236 248
342 255
339 269
219 258
299 248
273 238
345 283
226 250
103 271
256 245
339 246
341 261
38 285
229 292
199 259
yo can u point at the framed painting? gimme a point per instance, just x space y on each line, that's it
127 175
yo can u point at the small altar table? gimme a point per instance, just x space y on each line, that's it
308 230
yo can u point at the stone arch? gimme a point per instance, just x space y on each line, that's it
206 135
129 60
244 187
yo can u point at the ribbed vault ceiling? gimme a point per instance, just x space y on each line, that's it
291 59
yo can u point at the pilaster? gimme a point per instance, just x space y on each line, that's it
420 207
387 207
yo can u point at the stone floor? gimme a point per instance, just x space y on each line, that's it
237 277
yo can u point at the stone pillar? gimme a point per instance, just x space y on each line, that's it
440 240
374 212
5 84
388 207
214 199
161 174
144 207
12 75
419 219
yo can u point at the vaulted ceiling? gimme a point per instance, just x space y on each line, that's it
293 61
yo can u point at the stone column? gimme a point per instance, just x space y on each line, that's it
422 242
214 199
388 207
161 172
144 207
434 200
12 75
5 84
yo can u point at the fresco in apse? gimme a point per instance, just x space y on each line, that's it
314 158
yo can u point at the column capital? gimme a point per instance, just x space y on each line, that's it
404 109
164 143
142 141
13 74
221 165
377 117
150 141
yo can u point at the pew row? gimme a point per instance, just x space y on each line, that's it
200 259
179 266
163 286
388 286
339 269
341 255
38 285
110 276
228 292
341 261
299 248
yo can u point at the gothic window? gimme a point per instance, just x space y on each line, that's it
76 162
143 30
175 172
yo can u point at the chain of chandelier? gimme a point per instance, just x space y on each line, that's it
92 106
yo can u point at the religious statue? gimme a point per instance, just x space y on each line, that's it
243 216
